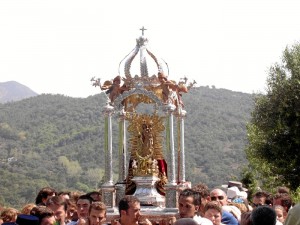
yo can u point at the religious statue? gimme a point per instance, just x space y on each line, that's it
165 86
146 149
171 91
112 88
147 136
115 89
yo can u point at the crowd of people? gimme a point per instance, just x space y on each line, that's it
196 206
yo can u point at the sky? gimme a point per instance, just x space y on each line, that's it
57 46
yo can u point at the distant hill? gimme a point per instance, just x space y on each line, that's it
58 141
12 91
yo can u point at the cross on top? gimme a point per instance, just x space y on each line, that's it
143 29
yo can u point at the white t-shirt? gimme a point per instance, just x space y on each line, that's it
202 221
72 222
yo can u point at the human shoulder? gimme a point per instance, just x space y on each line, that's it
228 218
202 221
293 216
72 223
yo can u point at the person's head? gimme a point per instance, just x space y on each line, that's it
45 215
280 212
129 209
213 212
97 213
74 196
185 221
27 208
83 204
189 203
203 190
65 194
239 203
259 198
283 199
9 215
263 215
162 77
246 218
283 189
72 211
219 196
58 205
117 80
95 195
43 195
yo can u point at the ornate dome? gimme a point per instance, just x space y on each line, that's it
151 85
149 64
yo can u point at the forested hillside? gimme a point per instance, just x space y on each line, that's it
57 141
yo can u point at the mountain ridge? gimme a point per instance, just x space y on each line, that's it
11 91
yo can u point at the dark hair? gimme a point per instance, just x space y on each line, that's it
57 200
202 189
191 193
94 193
260 194
85 197
283 189
41 212
44 193
285 199
263 194
263 215
124 202
213 205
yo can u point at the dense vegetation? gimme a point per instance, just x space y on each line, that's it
274 131
57 141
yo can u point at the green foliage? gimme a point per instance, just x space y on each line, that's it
72 167
296 195
58 141
274 131
249 180
215 134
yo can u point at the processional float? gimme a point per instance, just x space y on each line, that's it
145 106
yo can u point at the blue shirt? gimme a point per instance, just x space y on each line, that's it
228 218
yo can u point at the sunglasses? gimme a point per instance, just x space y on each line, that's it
214 198
257 205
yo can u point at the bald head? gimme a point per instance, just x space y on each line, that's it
219 196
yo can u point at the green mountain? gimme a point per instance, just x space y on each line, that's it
57 141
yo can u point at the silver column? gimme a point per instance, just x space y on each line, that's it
108 189
122 148
171 186
121 184
170 144
181 152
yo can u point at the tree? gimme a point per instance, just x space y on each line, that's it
274 130
73 168
95 176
